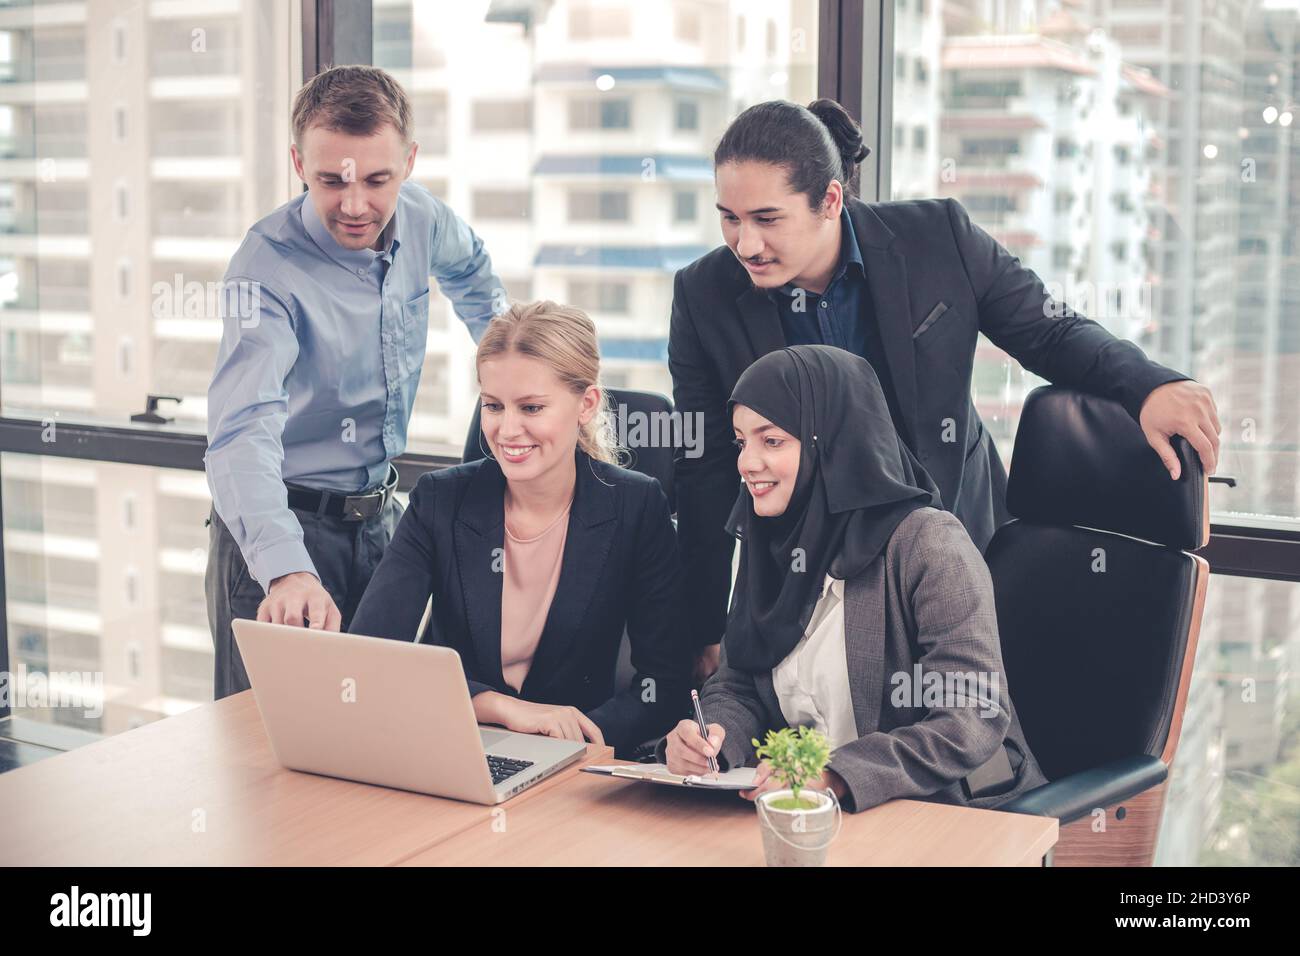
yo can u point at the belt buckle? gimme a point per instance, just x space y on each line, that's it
359 507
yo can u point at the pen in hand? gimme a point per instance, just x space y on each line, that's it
704 731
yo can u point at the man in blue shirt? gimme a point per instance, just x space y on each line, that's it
324 324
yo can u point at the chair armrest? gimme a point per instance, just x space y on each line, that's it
1080 793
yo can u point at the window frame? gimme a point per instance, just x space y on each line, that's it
855 66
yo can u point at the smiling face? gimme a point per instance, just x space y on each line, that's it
768 462
353 181
772 231
529 417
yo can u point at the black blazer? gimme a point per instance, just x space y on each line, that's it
937 280
621 568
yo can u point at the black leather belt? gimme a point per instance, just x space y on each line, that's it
359 507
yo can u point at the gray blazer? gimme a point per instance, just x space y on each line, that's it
927 602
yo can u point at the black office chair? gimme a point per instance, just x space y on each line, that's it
1099 607
640 418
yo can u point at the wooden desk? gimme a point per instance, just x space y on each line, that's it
203 788
598 821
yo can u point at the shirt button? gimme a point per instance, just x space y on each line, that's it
361 272
823 303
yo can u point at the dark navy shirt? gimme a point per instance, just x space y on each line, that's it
843 315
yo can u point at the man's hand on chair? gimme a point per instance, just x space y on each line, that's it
1187 409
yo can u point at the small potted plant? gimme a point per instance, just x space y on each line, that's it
798 822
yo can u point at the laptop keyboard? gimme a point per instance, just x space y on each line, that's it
503 768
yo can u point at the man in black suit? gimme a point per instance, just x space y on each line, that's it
908 285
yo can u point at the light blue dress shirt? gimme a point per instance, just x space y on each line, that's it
321 353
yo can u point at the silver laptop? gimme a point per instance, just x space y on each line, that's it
391 713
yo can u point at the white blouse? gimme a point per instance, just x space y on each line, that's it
812 682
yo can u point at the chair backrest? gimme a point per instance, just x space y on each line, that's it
643 423
1098 606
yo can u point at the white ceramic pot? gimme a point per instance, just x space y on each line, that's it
797 837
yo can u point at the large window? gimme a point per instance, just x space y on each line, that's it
582 153
1157 195
138 143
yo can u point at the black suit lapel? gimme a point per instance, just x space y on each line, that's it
587 544
887 276
479 536
762 321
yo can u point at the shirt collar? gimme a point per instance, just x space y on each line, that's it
348 258
850 254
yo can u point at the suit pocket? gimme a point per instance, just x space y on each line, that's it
930 319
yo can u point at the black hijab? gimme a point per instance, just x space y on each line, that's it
856 482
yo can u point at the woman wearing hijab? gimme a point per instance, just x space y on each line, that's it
861 608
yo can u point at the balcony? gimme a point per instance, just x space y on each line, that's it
53 299
43 146
47 594
171 63
45 69
197 225
51 222
204 144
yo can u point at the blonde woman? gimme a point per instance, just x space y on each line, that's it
539 555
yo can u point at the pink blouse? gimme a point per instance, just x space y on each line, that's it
531 572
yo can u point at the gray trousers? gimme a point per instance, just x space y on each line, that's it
345 554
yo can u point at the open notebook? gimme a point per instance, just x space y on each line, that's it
737 778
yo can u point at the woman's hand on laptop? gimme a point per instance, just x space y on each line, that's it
526 717
298 599
688 752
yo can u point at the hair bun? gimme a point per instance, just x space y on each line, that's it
843 128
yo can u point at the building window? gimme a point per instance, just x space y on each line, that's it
1066 148
919 138
124 279
502 204
900 66
922 72
119 42
687 118
598 205
1061 256
685 206
990 147
491 116
983 89
601 295
600 114
900 136
1064 201
519 288
589 22
686 24
989 204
